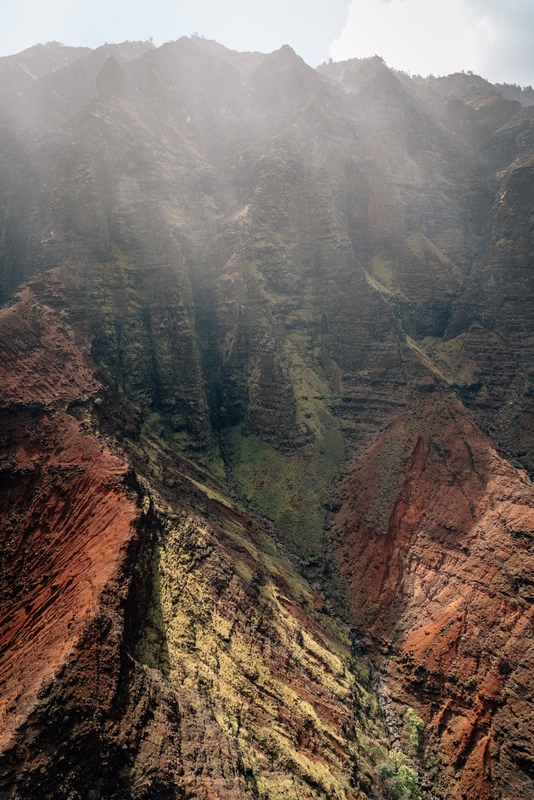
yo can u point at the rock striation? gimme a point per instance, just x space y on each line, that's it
266 402
152 648
434 539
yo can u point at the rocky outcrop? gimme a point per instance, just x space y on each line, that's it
70 524
148 646
489 337
246 284
434 542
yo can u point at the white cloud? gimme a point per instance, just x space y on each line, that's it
442 36
492 37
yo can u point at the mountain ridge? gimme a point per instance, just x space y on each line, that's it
293 303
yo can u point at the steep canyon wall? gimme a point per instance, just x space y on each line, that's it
246 299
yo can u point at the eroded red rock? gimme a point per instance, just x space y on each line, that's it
435 540
66 513
198 668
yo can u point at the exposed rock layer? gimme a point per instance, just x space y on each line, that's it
258 279
151 649
435 543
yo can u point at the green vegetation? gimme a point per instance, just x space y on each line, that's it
226 628
400 779
417 726
292 487
289 489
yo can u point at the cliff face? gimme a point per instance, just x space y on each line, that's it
434 540
255 298
152 648
489 337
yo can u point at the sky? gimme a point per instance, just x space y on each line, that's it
494 38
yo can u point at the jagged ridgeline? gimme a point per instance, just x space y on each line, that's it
267 426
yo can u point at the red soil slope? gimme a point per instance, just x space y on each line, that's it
65 514
145 648
441 580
